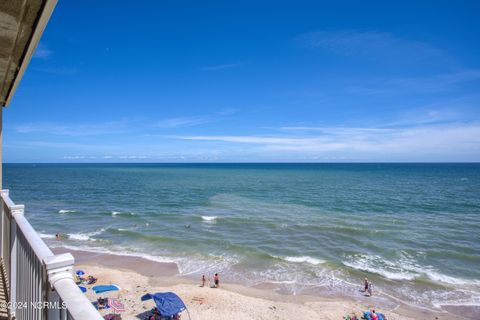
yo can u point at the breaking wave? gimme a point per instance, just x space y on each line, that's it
403 269
209 218
119 213
63 211
303 259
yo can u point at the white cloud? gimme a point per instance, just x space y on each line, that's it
339 130
79 129
371 44
60 71
79 157
38 144
132 157
42 52
439 83
449 142
221 66
183 122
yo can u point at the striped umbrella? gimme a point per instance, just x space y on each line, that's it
116 305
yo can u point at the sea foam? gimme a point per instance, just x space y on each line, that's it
117 252
46 236
303 259
63 211
85 236
79 236
402 269
209 218
119 213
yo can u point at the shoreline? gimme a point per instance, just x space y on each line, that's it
165 276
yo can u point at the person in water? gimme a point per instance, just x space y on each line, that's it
365 285
216 281
203 281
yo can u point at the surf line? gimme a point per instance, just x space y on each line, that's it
396 299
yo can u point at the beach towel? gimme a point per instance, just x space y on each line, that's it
104 288
367 315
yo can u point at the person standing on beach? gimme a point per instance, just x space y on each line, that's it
203 281
216 280
365 285
370 288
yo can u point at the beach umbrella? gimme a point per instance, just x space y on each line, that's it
116 305
83 289
105 288
168 303
80 273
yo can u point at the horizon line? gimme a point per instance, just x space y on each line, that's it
263 162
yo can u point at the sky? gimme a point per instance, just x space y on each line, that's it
251 81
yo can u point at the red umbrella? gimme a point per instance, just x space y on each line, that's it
116 305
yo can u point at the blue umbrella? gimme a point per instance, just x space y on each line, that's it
168 303
80 273
83 289
103 288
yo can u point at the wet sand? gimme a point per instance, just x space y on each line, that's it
137 276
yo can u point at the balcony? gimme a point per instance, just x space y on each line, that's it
36 283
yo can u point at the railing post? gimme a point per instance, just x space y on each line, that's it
54 314
60 275
59 267
15 210
3 193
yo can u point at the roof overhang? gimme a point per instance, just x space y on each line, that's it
21 25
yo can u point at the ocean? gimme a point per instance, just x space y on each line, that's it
413 229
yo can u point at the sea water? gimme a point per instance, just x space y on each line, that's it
414 229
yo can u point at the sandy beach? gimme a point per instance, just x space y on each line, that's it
137 276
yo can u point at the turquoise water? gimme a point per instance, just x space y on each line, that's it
412 228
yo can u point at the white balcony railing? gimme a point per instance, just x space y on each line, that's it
38 283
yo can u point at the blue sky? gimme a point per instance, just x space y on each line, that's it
195 81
